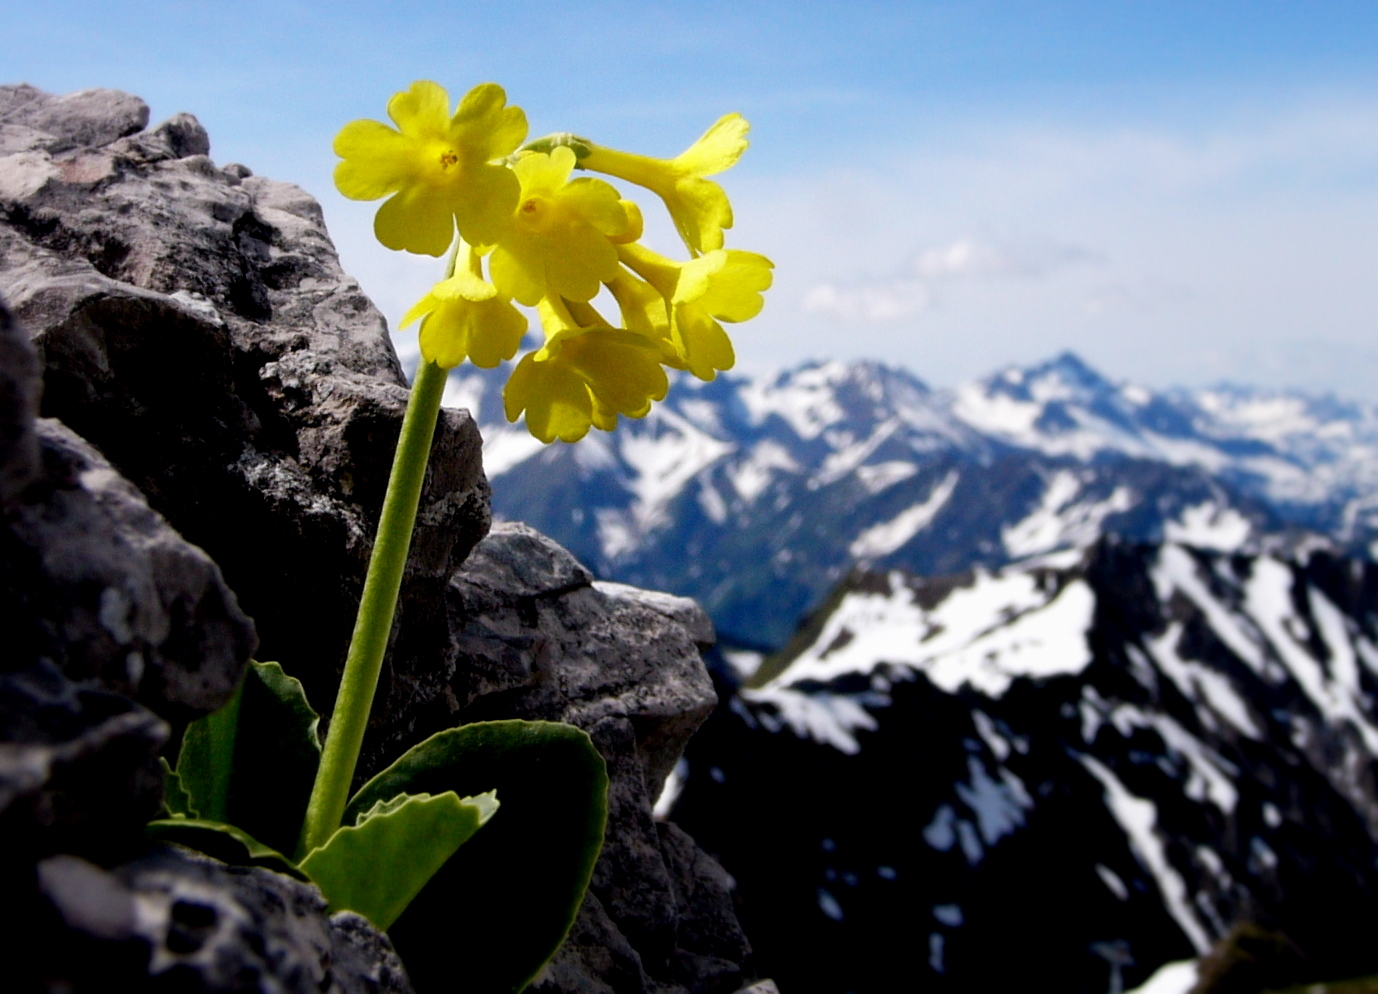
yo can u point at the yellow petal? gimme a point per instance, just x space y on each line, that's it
421 109
644 312
717 149
420 309
702 341
518 274
636 224
376 160
578 261
622 369
416 219
555 399
484 111
485 203
485 331
498 333
544 173
701 211
463 284
603 418
726 283
597 203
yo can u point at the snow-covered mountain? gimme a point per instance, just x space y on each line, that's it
756 496
1087 763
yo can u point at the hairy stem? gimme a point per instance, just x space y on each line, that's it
376 609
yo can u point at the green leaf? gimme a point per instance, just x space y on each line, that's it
224 842
378 866
493 915
176 800
260 780
206 762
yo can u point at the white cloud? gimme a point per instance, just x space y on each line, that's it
869 302
1218 246
916 288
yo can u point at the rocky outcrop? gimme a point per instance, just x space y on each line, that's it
193 923
211 376
98 583
195 326
113 620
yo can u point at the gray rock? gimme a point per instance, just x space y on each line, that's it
711 945
94 581
364 961
78 768
194 324
182 921
84 118
19 388
596 958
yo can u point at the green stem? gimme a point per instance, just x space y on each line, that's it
376 608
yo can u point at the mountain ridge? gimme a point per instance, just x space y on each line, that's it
1096 761
755 495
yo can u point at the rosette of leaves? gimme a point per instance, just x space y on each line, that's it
471 909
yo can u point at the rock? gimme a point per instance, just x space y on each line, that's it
178 920
19 388
364 961
30 118
78 769
596 958
96 582
195 326
711 945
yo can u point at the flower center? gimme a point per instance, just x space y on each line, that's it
448 159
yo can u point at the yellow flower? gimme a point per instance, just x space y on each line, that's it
643 311
698 206
584 377
723 285
463 317
439 168
556 243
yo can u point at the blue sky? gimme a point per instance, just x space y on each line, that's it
1181 192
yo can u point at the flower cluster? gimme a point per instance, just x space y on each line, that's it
465 183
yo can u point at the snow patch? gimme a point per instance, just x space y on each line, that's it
1112 881
1337 693
999 627
751 476
505 447
881 476
669 794
1170 978
829 719
1209 526
1137 817
1177 570
743 662
889 536
1057 522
